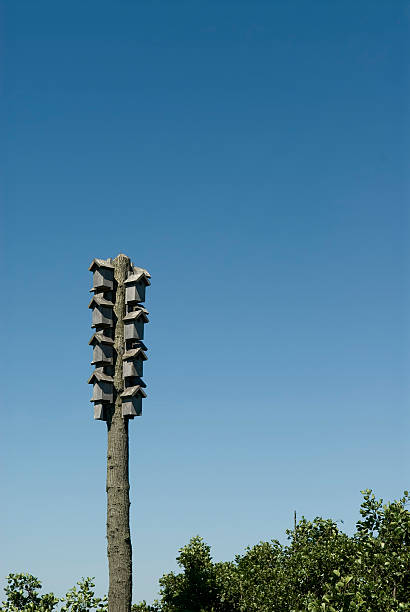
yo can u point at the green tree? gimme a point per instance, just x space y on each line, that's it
144 607
83 599
321 569
194 589
22 595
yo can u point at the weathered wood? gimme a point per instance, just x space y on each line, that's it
118 503
118 354
103 275
133 368
135 287
134 324
132 401
101 337
102 354
132 407
100 412
102 392
102 317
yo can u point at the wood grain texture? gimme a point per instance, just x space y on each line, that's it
118 501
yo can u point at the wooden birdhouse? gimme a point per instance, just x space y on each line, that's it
135 287
102 311
133 362
138 270
100 411
103 390
134 325
132 401
103 275
103 351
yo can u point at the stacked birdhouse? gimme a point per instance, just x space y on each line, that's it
134 355
102 305
102 341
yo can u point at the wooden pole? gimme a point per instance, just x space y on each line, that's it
118 499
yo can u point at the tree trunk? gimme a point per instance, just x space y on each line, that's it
118 499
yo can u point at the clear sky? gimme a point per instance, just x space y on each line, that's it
252 156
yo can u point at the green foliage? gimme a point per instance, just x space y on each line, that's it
321 569
195 588
22 595
144 607
83 599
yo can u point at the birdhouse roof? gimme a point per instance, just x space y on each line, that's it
137 269
136 277
100 263
99 376
133 392
136 314
101 338
139 344
136 352
140 307
98 299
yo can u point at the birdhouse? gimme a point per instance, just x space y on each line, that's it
132 401
133 362
103 390
103 275
102 311
135 287
132 344
134 325
100 411
138 270
103 352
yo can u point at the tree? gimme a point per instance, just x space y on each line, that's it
321 569
83 599
22 595
193 590
119 549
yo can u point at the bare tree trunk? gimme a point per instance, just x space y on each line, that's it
118 499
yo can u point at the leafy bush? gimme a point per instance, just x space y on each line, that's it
23 596
320 570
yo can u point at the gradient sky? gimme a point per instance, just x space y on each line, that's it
252 156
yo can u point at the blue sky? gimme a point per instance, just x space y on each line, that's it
252 156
